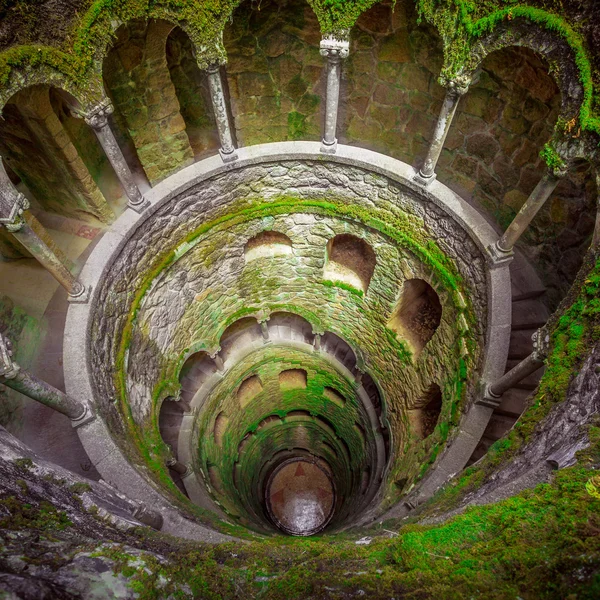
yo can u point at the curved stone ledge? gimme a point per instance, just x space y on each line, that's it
95 436
188 433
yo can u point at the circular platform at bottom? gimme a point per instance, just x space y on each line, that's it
300 497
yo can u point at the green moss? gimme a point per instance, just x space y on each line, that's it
542 543
80 488
23 463
462 23
343 286
16 515
551 157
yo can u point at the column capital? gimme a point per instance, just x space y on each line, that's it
214 68
457 86
97 116
334 48
9 369
541 344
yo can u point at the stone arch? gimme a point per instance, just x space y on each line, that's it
267 243
333 344
147 109
196 370
558 53
350 260
191 88
39 148
417 314
239 334
290 326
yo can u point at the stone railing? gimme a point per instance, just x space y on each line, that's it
95 436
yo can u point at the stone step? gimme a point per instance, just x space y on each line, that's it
513 403
498 426
528 314
525 282
481 450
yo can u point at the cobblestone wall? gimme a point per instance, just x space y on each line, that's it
275 72
210 285
491 156
139 82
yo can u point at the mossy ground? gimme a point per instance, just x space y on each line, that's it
543 543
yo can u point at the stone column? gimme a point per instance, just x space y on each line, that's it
14 377
264 329
317 342
227 150
504 246
12 206
494 391
177 466
455 89
97 119
218 361
334 50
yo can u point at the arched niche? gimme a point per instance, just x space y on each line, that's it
417 315
350 260
248 390
191 88
425 414
40 142
292 379
266 244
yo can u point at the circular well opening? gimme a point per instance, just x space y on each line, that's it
300 497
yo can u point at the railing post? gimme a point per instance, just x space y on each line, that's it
493 391
503 248
334 50
97 119
227 150
455 89
21 381
12 215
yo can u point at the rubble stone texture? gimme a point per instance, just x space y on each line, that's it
317 265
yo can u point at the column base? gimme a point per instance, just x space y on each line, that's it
228 156
139 207
85 418
423 179
82 297
498 256
329 148
490 400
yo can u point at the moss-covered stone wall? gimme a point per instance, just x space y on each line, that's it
275 72
159 307
138 79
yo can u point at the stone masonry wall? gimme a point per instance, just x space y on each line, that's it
139 82
39 150
195 299
491 156
191 86
275 72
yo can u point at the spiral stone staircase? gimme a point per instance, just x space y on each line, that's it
294 335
